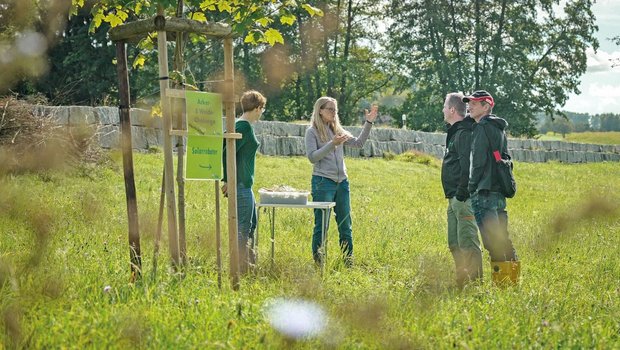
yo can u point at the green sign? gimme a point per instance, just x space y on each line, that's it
204 136
204 158
204 113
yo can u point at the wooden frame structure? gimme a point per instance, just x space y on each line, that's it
129 32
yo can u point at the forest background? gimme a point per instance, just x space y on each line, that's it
404 55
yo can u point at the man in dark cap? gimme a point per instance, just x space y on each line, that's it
462 230
489 204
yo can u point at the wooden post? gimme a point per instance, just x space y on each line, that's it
231 166
160 220
173 237
130 186
218 236
179 122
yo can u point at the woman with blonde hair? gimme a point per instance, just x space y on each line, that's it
324 148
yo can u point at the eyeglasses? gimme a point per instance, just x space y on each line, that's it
330 109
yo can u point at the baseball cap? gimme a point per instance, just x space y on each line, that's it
480 95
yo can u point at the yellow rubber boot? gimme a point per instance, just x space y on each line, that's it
505 272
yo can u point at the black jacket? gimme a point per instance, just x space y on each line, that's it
481 176
455 165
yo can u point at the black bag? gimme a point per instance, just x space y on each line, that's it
503 169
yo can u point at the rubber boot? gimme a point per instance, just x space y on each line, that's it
505 272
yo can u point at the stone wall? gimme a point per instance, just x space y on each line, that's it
279 138
287 139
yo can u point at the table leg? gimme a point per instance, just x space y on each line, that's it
273 239
325 216
255 240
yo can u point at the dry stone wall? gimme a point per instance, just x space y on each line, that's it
287 139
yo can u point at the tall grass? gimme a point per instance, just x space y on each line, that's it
64 264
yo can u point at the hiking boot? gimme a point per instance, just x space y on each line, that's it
318 259
348 261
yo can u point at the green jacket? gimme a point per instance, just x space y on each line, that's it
455 165
481 175
246 148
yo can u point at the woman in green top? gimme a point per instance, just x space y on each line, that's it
253 105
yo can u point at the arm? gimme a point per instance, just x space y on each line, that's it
370 116
479 158
359 141
463 147
314 153
245 130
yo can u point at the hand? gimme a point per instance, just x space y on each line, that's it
372 115
225 189
461 194
340 139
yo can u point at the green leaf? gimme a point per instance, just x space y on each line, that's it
288 19
208 5
312 11
156 110
75 5
264 22
122 15
250 38
97 19
224 5
139 61
146 44
273 36
113 19
199 16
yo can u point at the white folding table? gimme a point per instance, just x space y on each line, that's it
325 208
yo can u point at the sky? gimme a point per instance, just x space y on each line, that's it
600 85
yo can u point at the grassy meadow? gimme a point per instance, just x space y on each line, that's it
64 271
595 137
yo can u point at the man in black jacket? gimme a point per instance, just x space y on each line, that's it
462 230
489 204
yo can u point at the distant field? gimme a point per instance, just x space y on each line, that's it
602 138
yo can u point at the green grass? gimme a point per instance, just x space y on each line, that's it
602 138
63 238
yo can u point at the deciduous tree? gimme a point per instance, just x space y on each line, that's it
528 54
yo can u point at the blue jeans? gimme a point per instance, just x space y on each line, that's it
327 190
246 225
492 218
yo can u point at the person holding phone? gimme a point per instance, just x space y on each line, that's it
324 140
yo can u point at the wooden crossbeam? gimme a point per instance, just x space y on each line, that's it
139 29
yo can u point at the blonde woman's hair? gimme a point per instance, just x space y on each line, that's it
320 126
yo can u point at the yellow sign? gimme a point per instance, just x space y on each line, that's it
204 158
204 113
204 136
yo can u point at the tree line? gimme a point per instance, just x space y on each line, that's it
579 122
404 54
